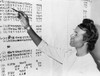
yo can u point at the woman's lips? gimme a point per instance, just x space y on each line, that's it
71 40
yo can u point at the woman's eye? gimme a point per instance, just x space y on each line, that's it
76 34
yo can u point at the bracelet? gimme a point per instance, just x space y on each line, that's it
28 28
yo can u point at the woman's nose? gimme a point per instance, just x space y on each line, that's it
72 36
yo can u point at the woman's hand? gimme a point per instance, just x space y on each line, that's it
23 19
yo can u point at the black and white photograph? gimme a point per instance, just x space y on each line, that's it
49 37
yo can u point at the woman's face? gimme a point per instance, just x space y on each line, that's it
76 39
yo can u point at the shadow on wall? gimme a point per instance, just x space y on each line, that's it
96 52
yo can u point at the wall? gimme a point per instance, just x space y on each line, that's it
95 11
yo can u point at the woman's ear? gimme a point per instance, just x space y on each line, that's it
85 43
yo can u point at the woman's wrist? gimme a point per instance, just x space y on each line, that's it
27 27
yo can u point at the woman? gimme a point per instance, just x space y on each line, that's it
77 62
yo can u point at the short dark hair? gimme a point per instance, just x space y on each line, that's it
91 34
